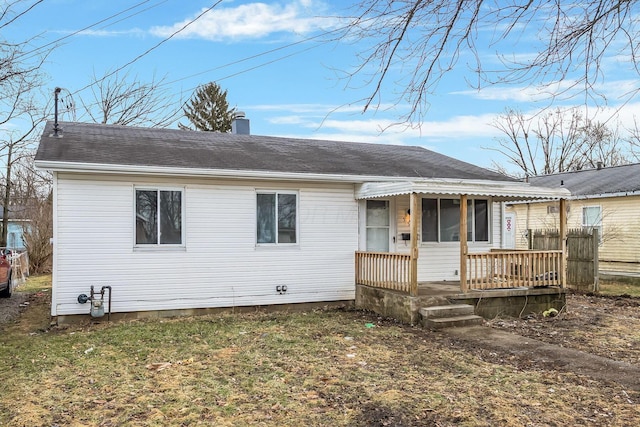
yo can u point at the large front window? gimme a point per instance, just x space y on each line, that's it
276 214
441 220
158 217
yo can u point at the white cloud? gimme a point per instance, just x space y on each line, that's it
252 21
318 109
522 93
385 130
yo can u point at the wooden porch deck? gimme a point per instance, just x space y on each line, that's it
438 289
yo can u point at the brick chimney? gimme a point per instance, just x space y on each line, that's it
240 124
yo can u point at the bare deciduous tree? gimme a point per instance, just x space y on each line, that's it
557 141
427 39
122 100
20 116
32 194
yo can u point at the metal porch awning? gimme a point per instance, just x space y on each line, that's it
500 191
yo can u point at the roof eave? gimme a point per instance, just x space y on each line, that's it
56 166
498 190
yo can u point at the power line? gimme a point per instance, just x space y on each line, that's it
157 45
18 15
54 42
257 55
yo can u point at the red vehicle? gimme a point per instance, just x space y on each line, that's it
5 274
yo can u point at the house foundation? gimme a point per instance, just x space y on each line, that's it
514 302
75 319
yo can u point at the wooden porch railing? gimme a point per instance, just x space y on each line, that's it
386 270
507 269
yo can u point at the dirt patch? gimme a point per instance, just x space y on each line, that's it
600 325
526 353
25 308
376 415
10 308
593 337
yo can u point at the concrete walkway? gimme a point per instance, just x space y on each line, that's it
565 359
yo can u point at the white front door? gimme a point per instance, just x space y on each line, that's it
378 225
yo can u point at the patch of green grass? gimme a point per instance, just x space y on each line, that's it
620 287
36 283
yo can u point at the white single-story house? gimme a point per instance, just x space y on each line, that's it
604 198
178 220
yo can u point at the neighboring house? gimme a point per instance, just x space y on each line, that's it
176 220
605 198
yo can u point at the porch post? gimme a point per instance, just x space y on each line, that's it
563 244
416 214
464 287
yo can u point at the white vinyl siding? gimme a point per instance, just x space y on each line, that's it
220 264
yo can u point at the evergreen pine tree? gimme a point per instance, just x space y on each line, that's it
208 109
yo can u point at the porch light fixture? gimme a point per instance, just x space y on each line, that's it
407 216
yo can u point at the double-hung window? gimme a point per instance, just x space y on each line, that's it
441 220
592 218
159 217
276 217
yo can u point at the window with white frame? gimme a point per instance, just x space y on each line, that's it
592 218
441 220
159 218
276 217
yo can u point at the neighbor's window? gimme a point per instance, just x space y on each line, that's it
441 220
592 218
158 217
276 215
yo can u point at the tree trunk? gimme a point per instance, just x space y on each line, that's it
6 200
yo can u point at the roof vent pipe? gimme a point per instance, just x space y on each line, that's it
56 127
240 124
599 165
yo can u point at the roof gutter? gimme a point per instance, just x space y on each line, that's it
216 173
250 174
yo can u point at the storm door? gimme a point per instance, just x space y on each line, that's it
378 225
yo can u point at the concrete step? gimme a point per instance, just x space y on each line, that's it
451 310
451 322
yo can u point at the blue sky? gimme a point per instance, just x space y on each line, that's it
287 86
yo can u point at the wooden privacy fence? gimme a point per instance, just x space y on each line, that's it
582 254
508 268
385 270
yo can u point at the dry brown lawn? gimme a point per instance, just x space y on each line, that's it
326 367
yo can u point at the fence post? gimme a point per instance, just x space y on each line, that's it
563 242
596 244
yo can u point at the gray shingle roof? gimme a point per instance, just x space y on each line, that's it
593 182
131 146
